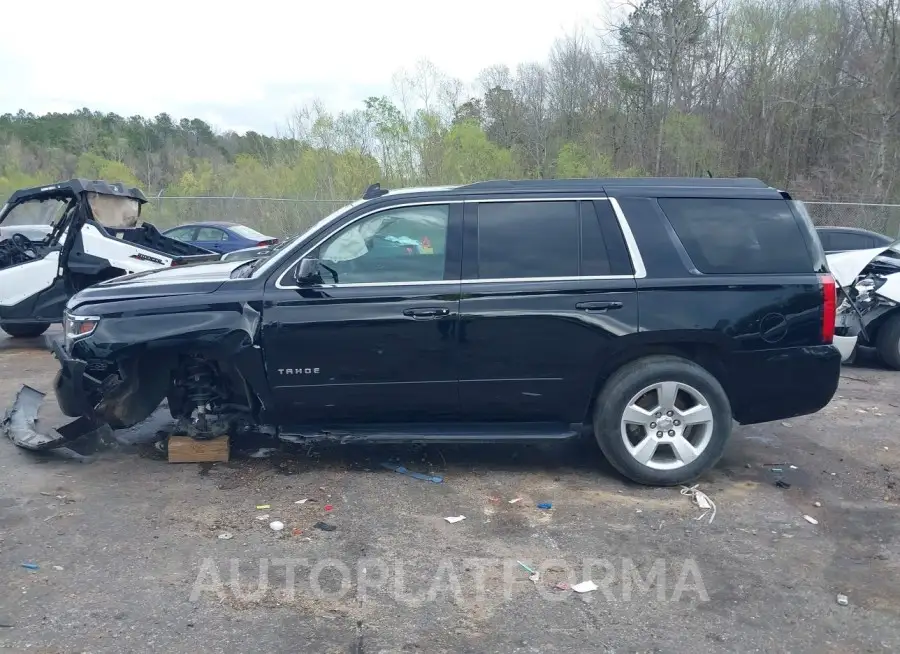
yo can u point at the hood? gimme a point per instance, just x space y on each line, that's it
165 282
846 266
201 273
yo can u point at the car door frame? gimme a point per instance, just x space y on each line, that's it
212 247
281 293
555 393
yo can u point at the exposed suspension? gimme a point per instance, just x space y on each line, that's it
200 382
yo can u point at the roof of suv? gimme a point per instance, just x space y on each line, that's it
597 185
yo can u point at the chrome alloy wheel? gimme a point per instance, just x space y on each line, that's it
667 425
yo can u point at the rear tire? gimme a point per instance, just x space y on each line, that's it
888 342
25 329
687 447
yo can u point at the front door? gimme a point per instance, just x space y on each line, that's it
548 290
377 341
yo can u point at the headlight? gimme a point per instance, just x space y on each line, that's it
79 326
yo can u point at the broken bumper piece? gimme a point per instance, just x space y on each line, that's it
20 421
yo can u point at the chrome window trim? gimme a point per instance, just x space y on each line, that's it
631 245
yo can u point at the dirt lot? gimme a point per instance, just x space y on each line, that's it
128 545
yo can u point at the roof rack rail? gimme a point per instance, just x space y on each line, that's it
374 191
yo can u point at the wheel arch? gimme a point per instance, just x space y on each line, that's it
709 354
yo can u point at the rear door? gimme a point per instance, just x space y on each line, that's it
212 238
548 287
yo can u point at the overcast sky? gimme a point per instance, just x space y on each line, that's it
246 65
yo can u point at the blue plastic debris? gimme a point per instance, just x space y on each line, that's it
31 566
414 475
545 505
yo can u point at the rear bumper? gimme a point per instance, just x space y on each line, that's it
778 384
73 388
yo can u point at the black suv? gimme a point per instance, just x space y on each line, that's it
650 312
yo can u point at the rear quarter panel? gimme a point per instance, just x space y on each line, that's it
765 329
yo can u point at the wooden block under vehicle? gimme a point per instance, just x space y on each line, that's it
184 449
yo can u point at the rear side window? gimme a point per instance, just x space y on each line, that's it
739 236
527 239
851 241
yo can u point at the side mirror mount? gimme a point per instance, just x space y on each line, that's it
306 273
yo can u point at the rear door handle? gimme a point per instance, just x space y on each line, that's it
429 312
598 306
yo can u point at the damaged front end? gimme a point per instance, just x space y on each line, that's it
870 284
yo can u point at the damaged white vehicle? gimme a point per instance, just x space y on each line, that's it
869 312
58 239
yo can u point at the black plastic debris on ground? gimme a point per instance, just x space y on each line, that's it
20 426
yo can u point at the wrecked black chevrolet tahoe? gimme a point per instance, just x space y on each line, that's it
651 313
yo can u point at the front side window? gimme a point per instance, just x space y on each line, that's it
181 234
407 244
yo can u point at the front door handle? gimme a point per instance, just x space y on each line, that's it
598 306
425 313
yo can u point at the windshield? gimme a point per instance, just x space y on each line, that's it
247 232
36 212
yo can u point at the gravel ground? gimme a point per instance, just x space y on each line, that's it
129 552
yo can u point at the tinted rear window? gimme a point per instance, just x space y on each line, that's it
728 236
527 239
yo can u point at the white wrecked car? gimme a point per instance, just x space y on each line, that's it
868 312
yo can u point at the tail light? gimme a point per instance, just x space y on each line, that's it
271 241
829 307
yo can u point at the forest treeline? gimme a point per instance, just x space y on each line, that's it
801 93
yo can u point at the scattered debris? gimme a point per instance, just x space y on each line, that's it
536 577
885 447
861 411
781 483
585 587
776 470
494 500
455 518
301 501
518 499
328 507
842 599
19 423
747 465
276 525
561 586
810 520
264 516
639 511
817 504
226 535
702 500
263 453
545 505
793 467
785 424
57 567
31 566
324 526
414 475
263 506
527 569
296 531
